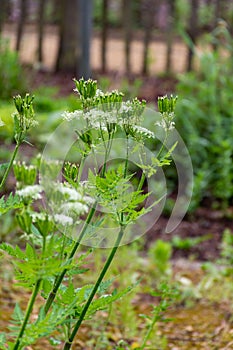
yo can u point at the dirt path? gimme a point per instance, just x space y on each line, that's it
115 51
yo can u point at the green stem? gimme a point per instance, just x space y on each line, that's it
28 313
162 147
127 156
10 165
141 182
69 342
147 336
80 169
59 279
107 152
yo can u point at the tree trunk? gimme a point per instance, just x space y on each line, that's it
21 23
127 21
67 56
40 29
170 35
148 21
217 15
105 5
75 34
193 33
3 8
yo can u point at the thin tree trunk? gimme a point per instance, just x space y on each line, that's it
148 21
3 8
67 56
41 13
21 23
60 33
192 31
170 35
217 15
127 20
105 5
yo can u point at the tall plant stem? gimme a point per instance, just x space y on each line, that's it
147 336
69 342
141 182
107 152
28 313
162 147
127 156
59 279
9 166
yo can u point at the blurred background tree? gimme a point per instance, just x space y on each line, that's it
132 22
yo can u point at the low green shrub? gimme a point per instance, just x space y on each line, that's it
204 121
11 73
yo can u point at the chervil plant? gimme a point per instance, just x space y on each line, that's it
57 214
24 120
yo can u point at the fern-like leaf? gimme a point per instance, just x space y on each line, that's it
12 202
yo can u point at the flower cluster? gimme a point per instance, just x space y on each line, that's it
68 203
108 111
166 106
68 116
30 192
24 118
25 174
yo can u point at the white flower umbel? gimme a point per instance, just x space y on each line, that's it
33 192
99 93
63 220
24 122
143 131
39 216
88 200
98 119
68 116
74 208
69 192
167 122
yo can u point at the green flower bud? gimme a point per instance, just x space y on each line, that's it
24 117
86 137
44 225
167 104
24 221
71 171
111 101
25 175
86 88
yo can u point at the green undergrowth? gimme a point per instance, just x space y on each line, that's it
127 321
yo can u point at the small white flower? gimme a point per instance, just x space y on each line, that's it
33 192
74 207
126 107
1 122
68 191
167 122
99 93
72 115
143 131
39 216
88 200
63 220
